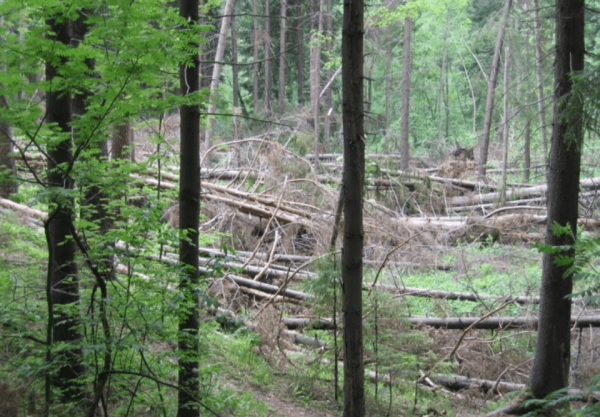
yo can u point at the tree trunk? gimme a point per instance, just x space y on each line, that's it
443 74
268 79
550 370
540 83
282 33
8 173
236 89
122 142
505 127
353 182
489 103
255 50
300 56
63 279
217 67
315 81
189 213
405 110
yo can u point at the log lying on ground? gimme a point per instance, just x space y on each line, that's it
301 339
22 210
458 382
492 323
449 295
521 193
261 286
316 324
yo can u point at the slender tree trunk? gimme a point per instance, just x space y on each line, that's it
540 83
353 182
282 33
315 81
489 103
217 67
550 370
236 87
8 173
189 213
405 110
443 74
300 53
268 78
62 268
505 123
388 86
255 53
527 132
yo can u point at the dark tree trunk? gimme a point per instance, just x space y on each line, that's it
405 110
122 142
550 370
353 181
62 270
489 103
189 213
8 185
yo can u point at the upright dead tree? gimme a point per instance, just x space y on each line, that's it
189 214
405 85
353 182
489 102
63 278
550 370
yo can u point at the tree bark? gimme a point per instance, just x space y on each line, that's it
267 44
300 53
405 110
489 103
282 33
217 67
8 173
255 53
505 126
63 276
189 213
550 370
540 83
353 182
122 142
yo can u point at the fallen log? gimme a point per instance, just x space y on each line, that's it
458 382
23 210
491 323
261 286
298 323
265 296
450 295
300 339
520 193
